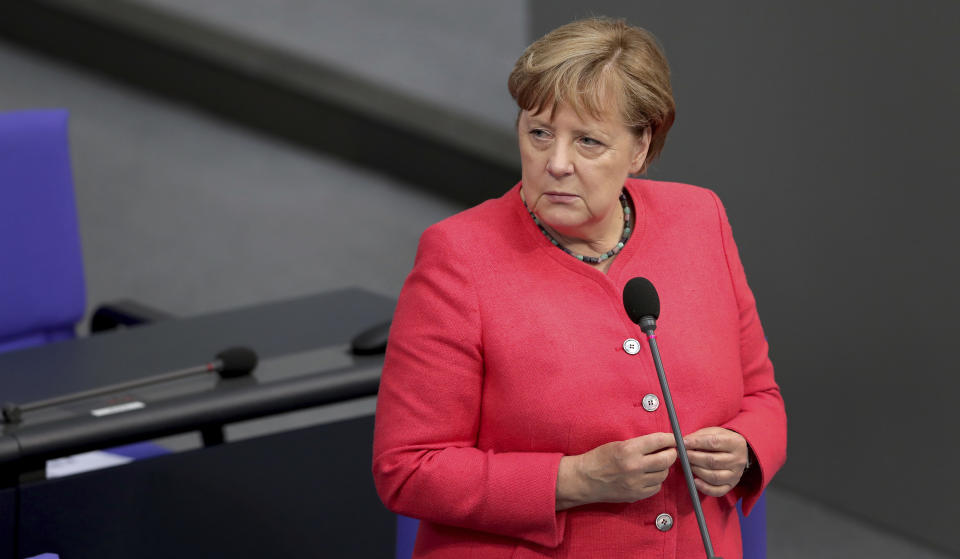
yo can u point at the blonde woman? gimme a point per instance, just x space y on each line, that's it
516 418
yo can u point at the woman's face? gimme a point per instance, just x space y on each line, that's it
574 168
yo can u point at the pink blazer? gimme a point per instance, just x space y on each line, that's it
507 354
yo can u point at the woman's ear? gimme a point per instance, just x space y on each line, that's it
642 146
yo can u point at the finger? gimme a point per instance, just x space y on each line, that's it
652 479
717 439
653 442
691 439
713 441
715 477
659 461
712 490
712 460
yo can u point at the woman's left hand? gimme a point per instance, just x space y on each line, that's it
718 458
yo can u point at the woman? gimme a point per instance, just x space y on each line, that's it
515 416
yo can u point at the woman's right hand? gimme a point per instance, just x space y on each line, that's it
617 472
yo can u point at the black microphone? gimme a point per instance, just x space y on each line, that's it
642 304
229 363
234 362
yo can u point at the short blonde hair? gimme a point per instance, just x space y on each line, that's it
578 62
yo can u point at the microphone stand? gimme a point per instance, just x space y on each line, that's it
648 324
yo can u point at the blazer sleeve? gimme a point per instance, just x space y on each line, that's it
426 463
762 419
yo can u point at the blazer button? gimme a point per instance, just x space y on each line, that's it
664 522
651 402
631 346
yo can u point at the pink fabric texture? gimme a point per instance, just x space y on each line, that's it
506 354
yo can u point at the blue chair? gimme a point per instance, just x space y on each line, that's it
753 532
42 290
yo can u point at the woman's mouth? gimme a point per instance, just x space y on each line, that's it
560 197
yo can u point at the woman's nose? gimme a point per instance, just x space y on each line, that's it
560 164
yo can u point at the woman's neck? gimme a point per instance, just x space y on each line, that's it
592 242
585 245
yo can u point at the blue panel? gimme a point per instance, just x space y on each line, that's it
753 529
406 536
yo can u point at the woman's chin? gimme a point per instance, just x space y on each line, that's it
563 222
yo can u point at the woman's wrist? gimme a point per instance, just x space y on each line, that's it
569 483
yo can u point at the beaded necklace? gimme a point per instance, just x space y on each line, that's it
589 259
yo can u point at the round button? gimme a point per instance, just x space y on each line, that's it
651 402
664 522
631 346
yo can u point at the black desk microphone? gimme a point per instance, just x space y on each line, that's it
229 363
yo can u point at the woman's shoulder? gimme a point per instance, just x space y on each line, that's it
486 223
676 201
671 193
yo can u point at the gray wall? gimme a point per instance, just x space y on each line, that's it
828 128
191 214
435 50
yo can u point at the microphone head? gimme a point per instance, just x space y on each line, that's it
236 361
640 299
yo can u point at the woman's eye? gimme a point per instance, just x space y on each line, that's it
590 142
539 133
